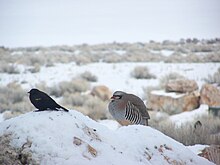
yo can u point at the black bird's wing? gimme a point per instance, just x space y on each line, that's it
52 103
43 101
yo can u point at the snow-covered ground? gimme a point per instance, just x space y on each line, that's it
116 76
72 138
184 117
54 22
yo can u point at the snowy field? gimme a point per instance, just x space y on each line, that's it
116 76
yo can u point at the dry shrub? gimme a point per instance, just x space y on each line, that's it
88 76
212 57
73 86
8 68
35 68
31 59
187 134
14 99
142 72
87 104
134 52
113 58
74 99
147 90
12 155
82 59
95 108
37 60
174 58
215 78
169 77
193 58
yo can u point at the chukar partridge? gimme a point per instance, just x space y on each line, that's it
128 109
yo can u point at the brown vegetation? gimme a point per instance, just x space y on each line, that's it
207 133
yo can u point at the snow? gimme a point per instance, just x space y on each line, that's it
169 94
71 138
197 149
166 53
1 117
111 124
184 117
55 22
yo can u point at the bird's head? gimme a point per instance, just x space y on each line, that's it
117 95
33 91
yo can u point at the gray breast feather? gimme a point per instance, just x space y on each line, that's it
116 113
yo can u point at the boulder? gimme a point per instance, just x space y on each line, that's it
173 103
181 86
210 95
101 92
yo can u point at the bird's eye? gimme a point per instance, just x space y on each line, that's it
117 97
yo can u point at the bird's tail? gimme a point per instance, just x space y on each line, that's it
146 121
62 108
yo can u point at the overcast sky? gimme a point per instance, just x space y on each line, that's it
59 22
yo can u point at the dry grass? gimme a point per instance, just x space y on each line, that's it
208 133
73 86
147 90
215 78
12 155
35 68
8 68
88 76
190 50
142 72
14 99
171 76
87 104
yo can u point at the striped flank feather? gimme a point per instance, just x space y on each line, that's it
132 113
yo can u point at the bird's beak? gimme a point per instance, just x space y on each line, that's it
28 92
112 98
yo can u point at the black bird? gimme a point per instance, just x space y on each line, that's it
43 102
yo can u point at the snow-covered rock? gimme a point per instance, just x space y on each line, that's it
186 117
72 138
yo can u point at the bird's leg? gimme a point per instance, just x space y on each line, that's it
38 110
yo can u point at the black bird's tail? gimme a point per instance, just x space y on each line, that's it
62 108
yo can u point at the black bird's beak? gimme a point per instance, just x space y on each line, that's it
28 92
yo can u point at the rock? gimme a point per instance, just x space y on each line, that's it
181 86
101 92
173 103
210 95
